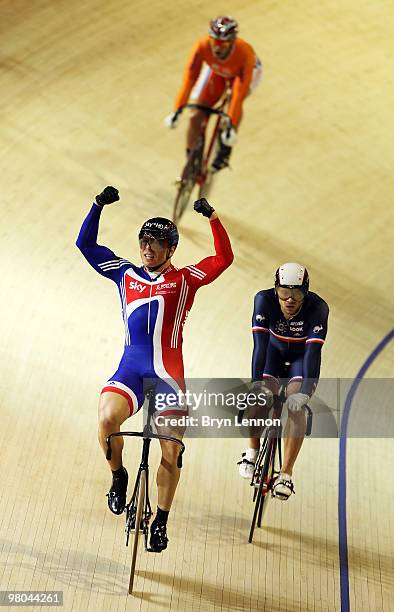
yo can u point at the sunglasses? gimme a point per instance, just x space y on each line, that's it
153 243
216 42
285 294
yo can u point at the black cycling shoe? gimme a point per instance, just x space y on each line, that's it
222 157
117 492
158 537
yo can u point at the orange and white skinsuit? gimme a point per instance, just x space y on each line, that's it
241 68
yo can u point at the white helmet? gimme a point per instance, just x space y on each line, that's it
292 275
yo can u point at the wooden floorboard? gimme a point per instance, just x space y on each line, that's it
85 88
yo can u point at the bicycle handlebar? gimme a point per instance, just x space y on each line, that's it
147 433
206 109
309 418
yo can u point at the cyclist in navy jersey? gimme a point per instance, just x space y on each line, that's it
289 326
156 299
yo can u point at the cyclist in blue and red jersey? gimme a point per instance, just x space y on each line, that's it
156 299
289 326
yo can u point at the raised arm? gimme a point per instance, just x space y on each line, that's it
211 267
101 258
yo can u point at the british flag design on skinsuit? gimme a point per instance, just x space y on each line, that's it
154 309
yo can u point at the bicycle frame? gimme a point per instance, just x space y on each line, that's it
219 111
139 510
269 462
196 170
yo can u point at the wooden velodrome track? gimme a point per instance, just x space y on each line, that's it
85 87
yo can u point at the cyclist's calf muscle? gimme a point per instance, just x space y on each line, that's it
197 125
112 412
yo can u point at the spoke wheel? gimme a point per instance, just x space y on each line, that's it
188 181
262 494
138 515
205 188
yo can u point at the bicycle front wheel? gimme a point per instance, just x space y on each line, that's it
138 515
262 494
188 181
205 188
268 481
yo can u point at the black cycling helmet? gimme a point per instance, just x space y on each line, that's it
160 228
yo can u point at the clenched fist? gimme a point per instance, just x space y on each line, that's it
108 196
203 207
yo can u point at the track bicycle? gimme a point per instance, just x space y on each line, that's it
138 510
269 461
198 170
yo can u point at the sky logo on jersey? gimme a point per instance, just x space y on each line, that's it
260 317
137 286
317 329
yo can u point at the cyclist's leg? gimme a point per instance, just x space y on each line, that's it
272 372
170 424
121 396
168 368
223 153
296 421
112 412
167 478
168 473
271 381
207 91
293 436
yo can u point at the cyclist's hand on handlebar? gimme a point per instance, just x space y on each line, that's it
172 120
263 396
203 207
107 196
228 136
296 401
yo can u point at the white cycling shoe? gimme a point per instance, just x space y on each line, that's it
247 463
283 487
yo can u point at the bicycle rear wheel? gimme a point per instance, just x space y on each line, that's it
188 181
138 515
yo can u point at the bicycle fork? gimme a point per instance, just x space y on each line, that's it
131 507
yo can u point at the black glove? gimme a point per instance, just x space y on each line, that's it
203 207
108 196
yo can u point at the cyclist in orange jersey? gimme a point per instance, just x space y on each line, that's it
227 60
